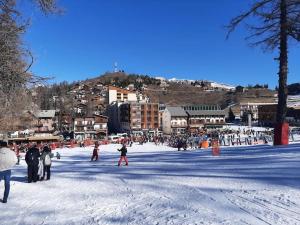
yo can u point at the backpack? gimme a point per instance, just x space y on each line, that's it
47 160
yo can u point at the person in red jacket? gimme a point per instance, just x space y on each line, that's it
16 149
95 152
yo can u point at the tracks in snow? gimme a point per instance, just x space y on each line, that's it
264 207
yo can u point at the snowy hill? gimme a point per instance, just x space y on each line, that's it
212 84
252 185
222 86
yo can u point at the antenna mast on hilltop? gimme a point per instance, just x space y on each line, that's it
116 67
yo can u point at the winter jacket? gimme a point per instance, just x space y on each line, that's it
41 169
32 157
46 151
123 151
43 156
7 159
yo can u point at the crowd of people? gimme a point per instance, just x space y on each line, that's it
37 157
205 138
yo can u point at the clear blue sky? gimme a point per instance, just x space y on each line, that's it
170 38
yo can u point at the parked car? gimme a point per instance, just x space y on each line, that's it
114 139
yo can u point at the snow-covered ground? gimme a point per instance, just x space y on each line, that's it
249 185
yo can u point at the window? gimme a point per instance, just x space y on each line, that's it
119 96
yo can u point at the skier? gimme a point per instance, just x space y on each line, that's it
17 151
161 140
123 151
179 144
238 139
95 152
57 155
222 139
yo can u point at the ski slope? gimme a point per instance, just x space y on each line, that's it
247 185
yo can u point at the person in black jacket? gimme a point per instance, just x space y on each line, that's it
123 151
32 160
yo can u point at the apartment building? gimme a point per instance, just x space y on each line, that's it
192 117
92 127
252 107
139 116
175 120
116 94
200 116
100 126
116 98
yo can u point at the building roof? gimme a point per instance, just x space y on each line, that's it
176 111
45 113
124 91
206 112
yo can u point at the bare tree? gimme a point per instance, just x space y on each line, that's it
278 23
48 6
15 62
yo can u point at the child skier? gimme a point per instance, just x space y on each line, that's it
95 152
17 151
57 155
123 151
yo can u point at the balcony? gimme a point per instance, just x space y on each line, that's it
199 122
79 130
178 125
43 130
100 130
38 125
212 123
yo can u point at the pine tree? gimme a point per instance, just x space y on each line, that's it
278 23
